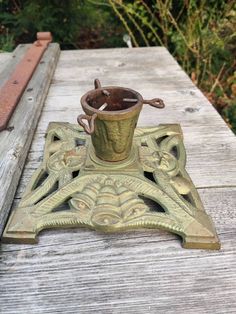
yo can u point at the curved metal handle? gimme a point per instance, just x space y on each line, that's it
97 84
155 102
89 129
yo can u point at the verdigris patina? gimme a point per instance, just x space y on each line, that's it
149 189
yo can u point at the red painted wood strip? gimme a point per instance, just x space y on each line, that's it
13 89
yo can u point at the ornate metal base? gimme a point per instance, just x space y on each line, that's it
150 189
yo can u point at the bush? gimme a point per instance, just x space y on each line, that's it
22 19
200 34
73 23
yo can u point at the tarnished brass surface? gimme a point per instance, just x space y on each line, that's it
112 114
149 189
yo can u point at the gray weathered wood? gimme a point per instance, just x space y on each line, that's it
16 139
8 61
5 57
210 145
83 271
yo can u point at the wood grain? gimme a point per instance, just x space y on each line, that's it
83 271
5 57
16 139
210 145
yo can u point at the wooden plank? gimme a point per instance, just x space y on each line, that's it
4 58
210 145
14 87
15 141
82 271
9 61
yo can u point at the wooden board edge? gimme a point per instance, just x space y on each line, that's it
13 147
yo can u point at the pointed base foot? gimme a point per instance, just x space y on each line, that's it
206 243
19 238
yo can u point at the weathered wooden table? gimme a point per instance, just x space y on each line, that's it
83 271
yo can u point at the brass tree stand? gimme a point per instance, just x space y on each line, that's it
150 189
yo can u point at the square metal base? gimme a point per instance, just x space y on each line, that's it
150 189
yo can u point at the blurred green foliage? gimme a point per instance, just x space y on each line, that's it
200 34
22 19
73 23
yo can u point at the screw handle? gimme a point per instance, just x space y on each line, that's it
155 102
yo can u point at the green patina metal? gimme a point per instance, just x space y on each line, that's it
112 113
148 189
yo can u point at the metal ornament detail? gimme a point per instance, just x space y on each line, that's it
150 189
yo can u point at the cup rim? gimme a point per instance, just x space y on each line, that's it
85 104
